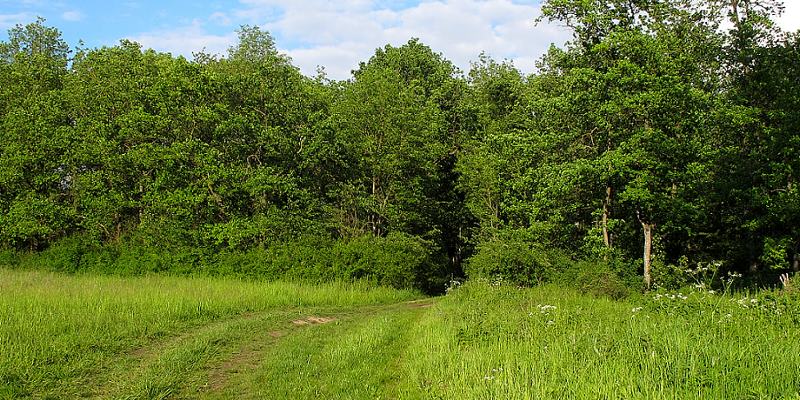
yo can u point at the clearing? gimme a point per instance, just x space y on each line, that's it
165 337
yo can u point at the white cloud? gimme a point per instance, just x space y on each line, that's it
338 60
790 20
220 18
72 16
186 40
339 34
10 20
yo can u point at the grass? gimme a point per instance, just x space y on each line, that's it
57 331
157 337
503 342
352 358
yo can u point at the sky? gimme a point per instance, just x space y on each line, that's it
336 34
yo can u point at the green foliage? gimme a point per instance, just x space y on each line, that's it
654 121
397 260
514 258
598 278
676 276
775 255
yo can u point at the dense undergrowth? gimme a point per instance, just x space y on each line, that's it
397 260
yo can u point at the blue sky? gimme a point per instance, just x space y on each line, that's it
334 34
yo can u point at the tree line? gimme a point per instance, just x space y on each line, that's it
663 136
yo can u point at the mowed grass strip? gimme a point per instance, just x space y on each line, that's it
58 332
355 357
210 361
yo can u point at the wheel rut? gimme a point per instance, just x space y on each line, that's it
252 352
248 357
218 352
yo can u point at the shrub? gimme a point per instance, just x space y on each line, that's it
515 259
8 258
397 260
65 255
598 278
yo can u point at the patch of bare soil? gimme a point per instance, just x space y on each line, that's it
313 320
424 303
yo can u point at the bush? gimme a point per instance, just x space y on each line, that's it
598 278
397 260
304 258
517 260
8 258
65 255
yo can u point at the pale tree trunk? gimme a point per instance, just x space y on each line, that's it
796 262
735 13
647 229
606 215
375 220
753 251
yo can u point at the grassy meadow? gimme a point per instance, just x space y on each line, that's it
67 336
502 342
64 336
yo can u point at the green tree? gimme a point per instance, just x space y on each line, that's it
759 168
398 122
620 115
33 119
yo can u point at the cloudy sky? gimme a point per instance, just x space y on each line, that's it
336 34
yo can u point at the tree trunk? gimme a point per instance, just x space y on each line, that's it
606 214
735 12
647 229
375 218
796 262
754 251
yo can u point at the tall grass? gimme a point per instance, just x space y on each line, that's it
481 341
56 329
487 341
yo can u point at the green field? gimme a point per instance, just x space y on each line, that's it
64 336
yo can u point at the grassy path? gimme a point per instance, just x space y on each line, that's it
64 337
299 353
68 336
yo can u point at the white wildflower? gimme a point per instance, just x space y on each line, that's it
544 309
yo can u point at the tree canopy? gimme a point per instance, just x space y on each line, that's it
665 133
